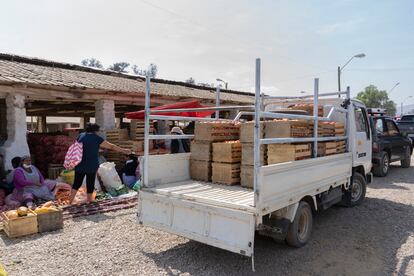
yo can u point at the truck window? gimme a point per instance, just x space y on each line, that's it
360 120
392 128
379 127
409 118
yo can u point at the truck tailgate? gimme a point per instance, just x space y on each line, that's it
222 227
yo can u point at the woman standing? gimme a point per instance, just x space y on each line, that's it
90 159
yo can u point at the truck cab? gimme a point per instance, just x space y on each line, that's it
389 143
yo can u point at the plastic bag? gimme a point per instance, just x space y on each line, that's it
109 176
68 176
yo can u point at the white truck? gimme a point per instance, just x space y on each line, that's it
285 195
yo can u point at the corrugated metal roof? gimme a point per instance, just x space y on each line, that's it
19 69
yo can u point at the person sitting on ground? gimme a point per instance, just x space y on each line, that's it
128 172
179 145
89 165
30 184
9 179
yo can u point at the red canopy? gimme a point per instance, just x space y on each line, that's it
139 115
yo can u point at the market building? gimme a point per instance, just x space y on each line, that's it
32 87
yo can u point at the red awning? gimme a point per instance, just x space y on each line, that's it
139 115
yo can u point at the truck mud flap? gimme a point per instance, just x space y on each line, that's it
225 228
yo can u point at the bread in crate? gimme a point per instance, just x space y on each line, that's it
247 154
17 226
226 173
308 108
216 131
288 128
201 150
200 170
279 153
227 152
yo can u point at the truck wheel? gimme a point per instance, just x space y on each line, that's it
300 229
406 162
358 189
381 169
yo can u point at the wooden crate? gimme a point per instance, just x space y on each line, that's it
326 148
247 176
288 128
247 156
54 171
137 129
226 173
201 150
21 226
278 153
340 146
339 129
50 221
200 170
227 152
133 145
308 108
216 131
247 132
326 129
116 135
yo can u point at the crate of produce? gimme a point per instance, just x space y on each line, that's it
226 173
247 176
308 108
54 170
326 148
216 131
15 225
227 152
279 153
248 154
201 150
200 170
247 132
50 220
326 129
288 128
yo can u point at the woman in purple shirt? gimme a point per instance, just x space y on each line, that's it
30 184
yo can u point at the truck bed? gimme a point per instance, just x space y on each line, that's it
234 197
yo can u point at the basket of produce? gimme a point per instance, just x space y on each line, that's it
20 222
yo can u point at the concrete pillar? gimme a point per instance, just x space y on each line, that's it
105 115
16 144
41 124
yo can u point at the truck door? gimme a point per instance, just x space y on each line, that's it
363 144
394 136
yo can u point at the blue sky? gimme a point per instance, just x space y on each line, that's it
297 40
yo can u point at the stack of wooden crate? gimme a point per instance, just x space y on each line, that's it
137 130
247 159
288 128
339 129
279 153
226 162
115 136
205 134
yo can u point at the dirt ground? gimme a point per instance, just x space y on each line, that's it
376 238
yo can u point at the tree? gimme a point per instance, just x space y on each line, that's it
119 67
190 80
91 62
374 98
151 71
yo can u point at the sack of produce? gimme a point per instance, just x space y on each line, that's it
109 176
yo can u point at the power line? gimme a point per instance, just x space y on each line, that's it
383 69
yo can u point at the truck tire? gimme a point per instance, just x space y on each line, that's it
300 229
406 162
358 189
381 169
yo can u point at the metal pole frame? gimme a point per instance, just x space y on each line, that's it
145 182
315 116
218 101
257 111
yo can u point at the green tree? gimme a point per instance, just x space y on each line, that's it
119 67
374 98
91 62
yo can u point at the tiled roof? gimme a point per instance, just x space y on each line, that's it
38 72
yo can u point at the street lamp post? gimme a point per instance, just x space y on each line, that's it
340 69
393 87
225 83
403 103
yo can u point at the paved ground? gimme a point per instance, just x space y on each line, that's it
376 238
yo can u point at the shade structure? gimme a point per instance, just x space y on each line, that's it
139 115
